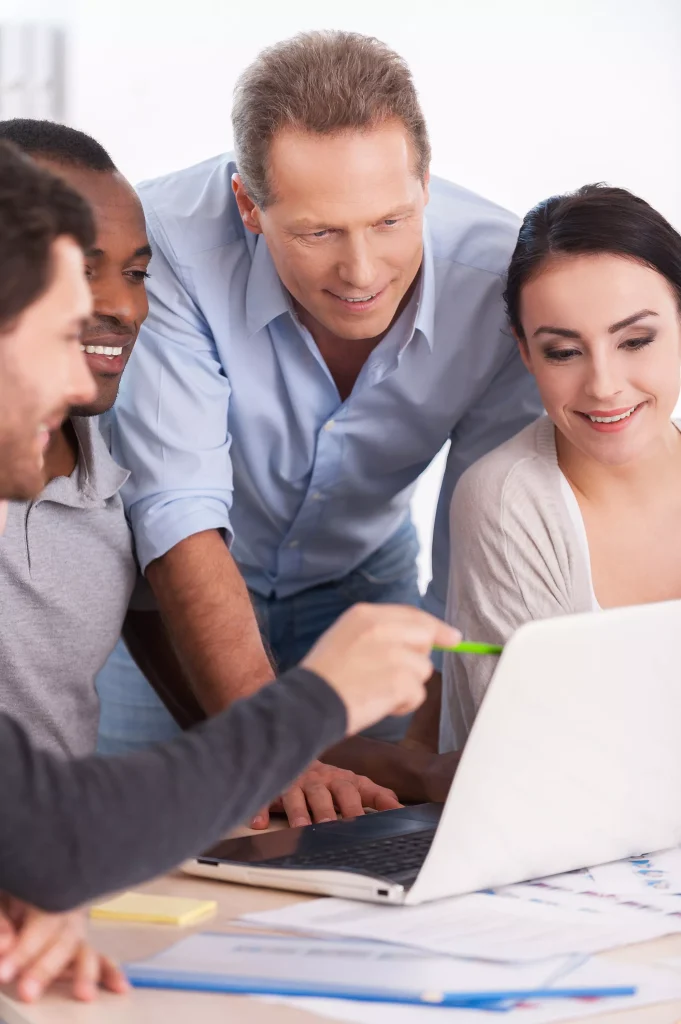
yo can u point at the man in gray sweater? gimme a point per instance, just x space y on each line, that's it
112 823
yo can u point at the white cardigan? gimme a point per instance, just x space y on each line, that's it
516 555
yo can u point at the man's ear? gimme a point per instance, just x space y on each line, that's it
524 352
426 186
250 214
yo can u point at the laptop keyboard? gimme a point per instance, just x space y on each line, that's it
389 857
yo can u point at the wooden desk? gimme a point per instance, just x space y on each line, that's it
150 1006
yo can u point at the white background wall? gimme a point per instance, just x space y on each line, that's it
524 98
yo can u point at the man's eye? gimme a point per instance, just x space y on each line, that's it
138 275
390 222
320 234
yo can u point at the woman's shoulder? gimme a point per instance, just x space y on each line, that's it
525 466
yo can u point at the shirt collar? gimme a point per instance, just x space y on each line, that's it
96 477
425 314
266 297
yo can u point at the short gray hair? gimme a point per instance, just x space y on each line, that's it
324 83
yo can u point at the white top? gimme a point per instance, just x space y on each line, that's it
519 552
575 513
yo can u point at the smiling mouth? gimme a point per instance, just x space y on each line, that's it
615 418
358 301
101 350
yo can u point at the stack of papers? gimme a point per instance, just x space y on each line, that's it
370 980
518 924
356 969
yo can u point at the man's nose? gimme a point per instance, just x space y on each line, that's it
357 268
113 298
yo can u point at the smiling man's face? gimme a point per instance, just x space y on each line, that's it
42 371
116 269
345 228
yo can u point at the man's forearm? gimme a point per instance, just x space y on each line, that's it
424 729
205 603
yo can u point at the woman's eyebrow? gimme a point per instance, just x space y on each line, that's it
628 321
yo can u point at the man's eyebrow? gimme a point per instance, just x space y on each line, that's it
306 224
143 250
629 320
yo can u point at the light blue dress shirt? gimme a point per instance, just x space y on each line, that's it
229 418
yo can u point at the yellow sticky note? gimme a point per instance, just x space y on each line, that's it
137 906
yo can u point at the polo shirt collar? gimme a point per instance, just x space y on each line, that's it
96 477
267 299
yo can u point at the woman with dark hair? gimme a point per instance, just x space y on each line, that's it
581 510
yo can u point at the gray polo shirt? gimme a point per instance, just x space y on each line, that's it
67 571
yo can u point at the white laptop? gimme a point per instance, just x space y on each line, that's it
574 760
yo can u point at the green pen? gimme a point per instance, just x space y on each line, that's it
471 647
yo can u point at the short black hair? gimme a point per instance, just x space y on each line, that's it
57 142
36 208
596 219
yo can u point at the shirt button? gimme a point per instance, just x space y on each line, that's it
317 496
293 543
330 425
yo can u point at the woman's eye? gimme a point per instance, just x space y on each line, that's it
561 355
138 275
634 344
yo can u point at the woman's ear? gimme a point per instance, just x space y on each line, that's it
524 350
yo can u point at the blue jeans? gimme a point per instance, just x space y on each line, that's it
132 716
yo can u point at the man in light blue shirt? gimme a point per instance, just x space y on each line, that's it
316 334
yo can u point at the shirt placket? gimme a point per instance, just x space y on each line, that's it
325 473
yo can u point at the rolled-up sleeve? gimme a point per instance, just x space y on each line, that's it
171 418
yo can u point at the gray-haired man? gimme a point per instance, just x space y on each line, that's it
316 335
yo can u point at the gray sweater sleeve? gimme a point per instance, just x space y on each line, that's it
72 830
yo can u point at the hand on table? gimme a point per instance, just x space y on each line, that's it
322 790
37 948
377 659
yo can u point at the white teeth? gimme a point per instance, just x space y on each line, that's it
101 350
364 298
613 419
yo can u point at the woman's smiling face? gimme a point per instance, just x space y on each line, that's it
602 337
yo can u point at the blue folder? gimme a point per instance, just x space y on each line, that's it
348 969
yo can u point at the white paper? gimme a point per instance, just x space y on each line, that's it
486 926
653 985
654 874
652 882
338 963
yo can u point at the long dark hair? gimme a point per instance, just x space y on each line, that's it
595 219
